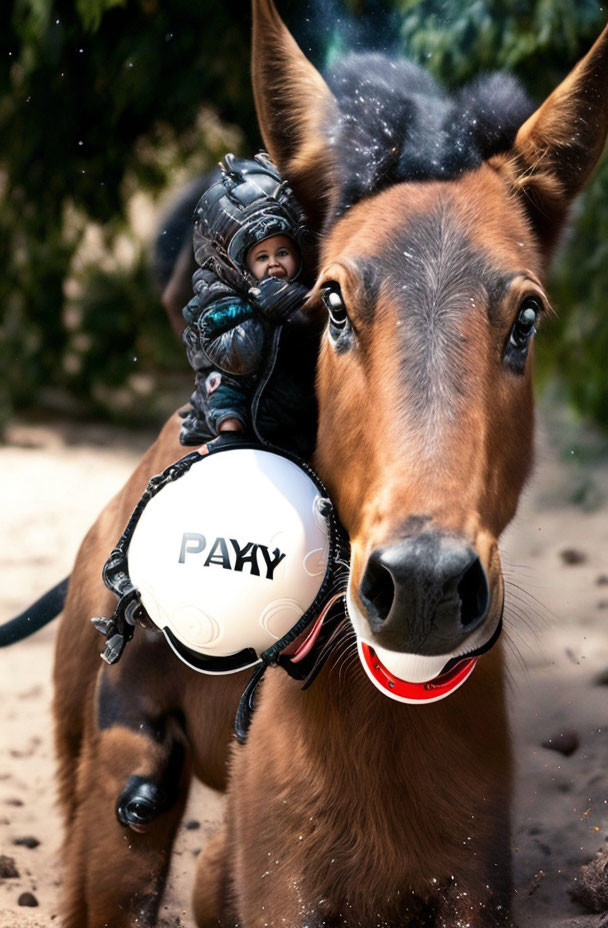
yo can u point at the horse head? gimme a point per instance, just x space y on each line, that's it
436 221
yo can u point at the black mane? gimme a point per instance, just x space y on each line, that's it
398 124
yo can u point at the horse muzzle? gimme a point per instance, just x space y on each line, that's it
428 610
426 594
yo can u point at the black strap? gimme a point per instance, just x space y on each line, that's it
244 713
263 383
36 616
118 628
245 658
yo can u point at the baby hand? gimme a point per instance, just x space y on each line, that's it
275 299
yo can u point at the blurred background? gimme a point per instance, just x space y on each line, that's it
109 109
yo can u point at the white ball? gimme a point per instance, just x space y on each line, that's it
232 554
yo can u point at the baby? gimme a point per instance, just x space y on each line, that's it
252 350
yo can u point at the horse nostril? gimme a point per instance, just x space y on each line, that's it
474 594
377 590
431 588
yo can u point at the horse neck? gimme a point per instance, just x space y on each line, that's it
346 714
343 713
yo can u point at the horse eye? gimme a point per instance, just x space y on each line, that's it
334 304
525 324
524 327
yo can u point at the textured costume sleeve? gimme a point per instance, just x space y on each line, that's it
276 300
223 329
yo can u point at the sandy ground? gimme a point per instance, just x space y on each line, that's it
53 482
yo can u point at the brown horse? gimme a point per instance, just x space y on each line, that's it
356 809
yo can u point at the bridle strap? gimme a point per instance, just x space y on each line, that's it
244 713
305 668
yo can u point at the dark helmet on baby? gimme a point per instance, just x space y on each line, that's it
250 202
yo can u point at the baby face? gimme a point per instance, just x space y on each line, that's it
274 257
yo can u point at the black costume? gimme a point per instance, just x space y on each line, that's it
252 350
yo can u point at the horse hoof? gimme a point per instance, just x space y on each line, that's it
140 802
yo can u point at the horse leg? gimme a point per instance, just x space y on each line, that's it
464 904
68 741
210 900
74 675
131 789
460 907
116 873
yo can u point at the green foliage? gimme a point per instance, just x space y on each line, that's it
576 346
538 41
91 11
94 98
106 347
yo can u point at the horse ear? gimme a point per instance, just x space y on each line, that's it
293 103
558 147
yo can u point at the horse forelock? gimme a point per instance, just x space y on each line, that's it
395 124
